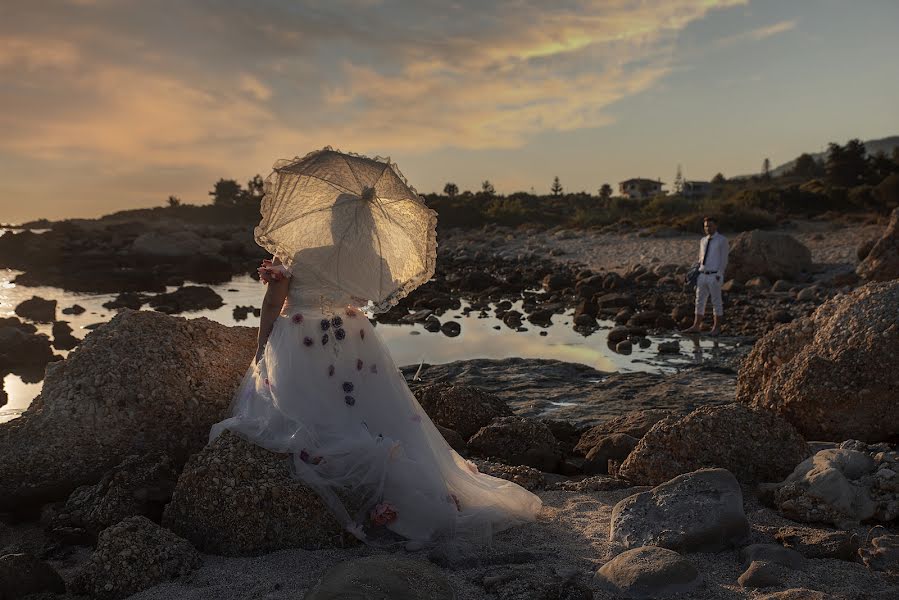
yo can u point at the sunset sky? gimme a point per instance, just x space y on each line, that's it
111 104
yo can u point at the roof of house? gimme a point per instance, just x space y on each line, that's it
642 180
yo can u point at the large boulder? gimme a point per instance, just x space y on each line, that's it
767 254
237 499
142 382
648 572
634 424
753 444
695 512
462 408
833 375
842 486
615 446
24 574
385 576
134 555
882 262
517 441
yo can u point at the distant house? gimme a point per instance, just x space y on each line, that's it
640 188
696 189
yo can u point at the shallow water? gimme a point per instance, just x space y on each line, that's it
409 344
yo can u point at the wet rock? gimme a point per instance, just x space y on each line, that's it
672 347
541 317
818 543
62 336
462 408
615 446
451 328
619 334
139 486
634 424
882 262
616 301
648 572
142 380
185 299
517 441
527 477
383 577
768 254
557 281
237 499
432 324
695 512
624 347
512 319
132 300
753 444
132 556
75 309
19 349
832 375
37 309
23 574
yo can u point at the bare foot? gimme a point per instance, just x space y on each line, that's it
693 329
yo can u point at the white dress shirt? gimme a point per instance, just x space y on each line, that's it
716 260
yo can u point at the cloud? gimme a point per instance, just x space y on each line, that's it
759 33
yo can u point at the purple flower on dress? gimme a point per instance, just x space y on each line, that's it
349 400
297 318
359 364
340 334
336 322
326 324
330 370
308 341
325 339
347 386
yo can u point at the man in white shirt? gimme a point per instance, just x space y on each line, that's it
712 264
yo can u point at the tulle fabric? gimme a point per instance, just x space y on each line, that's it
327 391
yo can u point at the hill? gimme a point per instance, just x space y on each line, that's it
884 145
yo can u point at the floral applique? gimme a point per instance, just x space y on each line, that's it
269 273
340 334
330 370
326 324
383 513
308 341
350 401
336 322
348 386
297 318
325 339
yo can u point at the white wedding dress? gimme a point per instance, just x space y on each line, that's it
327 391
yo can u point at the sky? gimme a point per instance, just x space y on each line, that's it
114 104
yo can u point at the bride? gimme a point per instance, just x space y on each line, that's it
347 233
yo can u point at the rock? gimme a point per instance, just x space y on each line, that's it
762 575
595 483
672 347
24 574
780 315
476 281
781 286
140 485
557 281
535 581
451 328
585 322
829 487
615 446
753 444
37 309
624 347
132 300
758 283
807 294
19 349
832 375
619 334
62 336
768 254
142 381
432 324
237 499
174 244
644 318
517 441
695 512
462 408
383 577
817 543
683 311
512 319
648 572
75 309
616 301
541 317
527 477
732 286
634 424
883 556
772 553
132 556
185 299
882 262
452 437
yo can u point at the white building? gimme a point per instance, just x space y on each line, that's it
696 189
638 188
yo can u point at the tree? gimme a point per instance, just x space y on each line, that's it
880 166
487 188
846 165
605 192
174 201
806 166
226 192
766 169
679 181
256 187
556 188
719 179
451 190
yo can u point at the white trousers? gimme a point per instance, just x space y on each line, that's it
709 286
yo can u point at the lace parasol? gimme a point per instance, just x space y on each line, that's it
351 222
